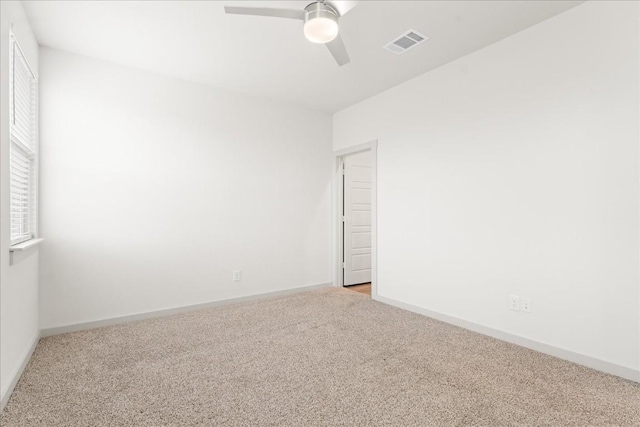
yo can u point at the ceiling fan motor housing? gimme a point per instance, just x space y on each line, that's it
320 22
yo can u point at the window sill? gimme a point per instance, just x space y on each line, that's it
25 245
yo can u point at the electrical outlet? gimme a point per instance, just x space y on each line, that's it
514 302
525 305
237 275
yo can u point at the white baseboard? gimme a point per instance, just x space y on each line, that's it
581 359
18 372
169 311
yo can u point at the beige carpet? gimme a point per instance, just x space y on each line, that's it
329 357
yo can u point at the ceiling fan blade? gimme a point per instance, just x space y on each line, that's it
339 51
265 11
343 6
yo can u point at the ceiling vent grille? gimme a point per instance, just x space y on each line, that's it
407 41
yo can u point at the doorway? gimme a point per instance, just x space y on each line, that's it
356 218
355 202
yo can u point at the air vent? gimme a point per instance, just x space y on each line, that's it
407 41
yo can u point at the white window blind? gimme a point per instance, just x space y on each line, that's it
22 129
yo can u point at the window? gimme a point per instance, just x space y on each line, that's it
22 152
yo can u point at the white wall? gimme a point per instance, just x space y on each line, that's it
515 170
154 189
18 281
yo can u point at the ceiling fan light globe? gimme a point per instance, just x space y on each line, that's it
320 22
321 30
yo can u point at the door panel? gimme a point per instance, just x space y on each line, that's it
361 262
361 240
357 218
362 173
362 196
360 219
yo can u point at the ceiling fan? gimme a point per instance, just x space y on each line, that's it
320 22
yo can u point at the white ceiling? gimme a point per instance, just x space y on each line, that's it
196 41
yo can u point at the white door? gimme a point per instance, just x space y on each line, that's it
357 218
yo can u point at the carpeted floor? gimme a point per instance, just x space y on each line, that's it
330 357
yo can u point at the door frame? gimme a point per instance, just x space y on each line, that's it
337 247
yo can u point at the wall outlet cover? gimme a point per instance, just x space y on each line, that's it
514 302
